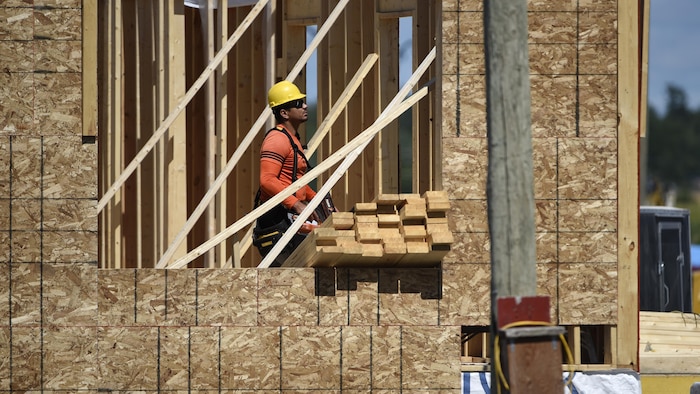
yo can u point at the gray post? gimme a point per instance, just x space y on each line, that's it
695 388
510 179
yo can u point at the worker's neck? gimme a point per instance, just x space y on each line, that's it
291 126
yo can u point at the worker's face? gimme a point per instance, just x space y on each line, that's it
298 111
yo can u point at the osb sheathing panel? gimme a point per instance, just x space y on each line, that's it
597 97
587 293
128 357
58 24
250 357
204 347
5 341
58 3
25 295
363 287
112 329
50 192
25 348
460 279
174 368
25 156
287 297
228 297
400 291
115 297
573 83
17 23
5 293
69 295
311 357
70 357
70 168
58 104
357 357
17 112
17 56
333 301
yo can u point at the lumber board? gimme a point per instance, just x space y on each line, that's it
628 187
340 221
89 68
668 341
364 238
669 363
365 208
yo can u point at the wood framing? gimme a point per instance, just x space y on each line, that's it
629 108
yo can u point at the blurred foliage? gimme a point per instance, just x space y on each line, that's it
674 141
673 156
693 206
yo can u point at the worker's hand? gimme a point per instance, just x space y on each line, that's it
300 205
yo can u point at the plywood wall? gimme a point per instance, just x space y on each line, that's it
573 74
74 326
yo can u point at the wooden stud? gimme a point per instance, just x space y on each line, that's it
130 135
206 14
628 185
175 156
221 111
353 112
89 68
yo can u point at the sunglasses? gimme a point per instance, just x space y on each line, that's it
299 103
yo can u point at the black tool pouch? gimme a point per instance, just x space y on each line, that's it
269 229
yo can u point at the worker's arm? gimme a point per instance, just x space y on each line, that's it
270 184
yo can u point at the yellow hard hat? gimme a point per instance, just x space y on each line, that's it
283 92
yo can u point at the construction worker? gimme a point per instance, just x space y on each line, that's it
282 161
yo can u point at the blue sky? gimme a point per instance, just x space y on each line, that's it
674 50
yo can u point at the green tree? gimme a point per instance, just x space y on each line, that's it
674 141
674 152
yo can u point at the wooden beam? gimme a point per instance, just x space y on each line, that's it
176 154
131 207
628 182
147 175
111 247
354 122
206 14
221 131
89 68
296 10
370 99
403 7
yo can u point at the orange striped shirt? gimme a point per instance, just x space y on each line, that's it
276 167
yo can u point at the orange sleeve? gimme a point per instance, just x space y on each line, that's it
270 184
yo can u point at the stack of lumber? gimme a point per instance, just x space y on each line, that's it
394 230
669 342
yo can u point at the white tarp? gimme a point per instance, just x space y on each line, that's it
612 382
231 3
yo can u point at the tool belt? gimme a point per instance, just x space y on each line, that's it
269 229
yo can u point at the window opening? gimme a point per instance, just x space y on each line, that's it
406 119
